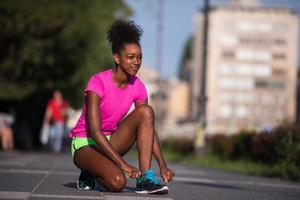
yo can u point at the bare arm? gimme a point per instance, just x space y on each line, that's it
158 153
47 116
165 172
94 124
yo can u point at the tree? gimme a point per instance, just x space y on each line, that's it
51 44
48 44
183 70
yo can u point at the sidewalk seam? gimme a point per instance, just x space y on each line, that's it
41 181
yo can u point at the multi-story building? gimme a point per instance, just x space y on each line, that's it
251 71
169 99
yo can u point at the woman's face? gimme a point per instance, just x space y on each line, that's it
129 59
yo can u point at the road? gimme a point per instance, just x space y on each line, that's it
41 175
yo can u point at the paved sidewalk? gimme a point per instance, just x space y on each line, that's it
37 175
34 175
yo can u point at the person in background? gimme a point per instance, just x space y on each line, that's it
103 133
55 117
6 132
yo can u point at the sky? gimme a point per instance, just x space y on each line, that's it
177 27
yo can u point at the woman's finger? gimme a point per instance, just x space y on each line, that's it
170 175
134 174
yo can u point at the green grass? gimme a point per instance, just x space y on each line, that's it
282 171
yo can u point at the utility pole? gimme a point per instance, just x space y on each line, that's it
159 38
159 52
199 142
202 97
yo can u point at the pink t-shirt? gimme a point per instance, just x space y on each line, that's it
115 102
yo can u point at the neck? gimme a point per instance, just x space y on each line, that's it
120 77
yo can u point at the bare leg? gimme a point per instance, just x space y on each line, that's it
7 138
102 168
137 126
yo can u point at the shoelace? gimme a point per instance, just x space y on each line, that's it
150 176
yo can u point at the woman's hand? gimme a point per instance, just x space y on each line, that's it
131 171
166 174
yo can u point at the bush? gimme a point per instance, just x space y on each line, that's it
242 145
279 148
288 144
221 145
287 170
178 145
262 148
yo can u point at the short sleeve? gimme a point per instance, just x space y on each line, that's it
95 84
141 94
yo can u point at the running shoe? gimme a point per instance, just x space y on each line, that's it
85 181
148 184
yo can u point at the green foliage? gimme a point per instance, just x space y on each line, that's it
183 71
280 149
181 146
274 154
242 144
54 44
262 147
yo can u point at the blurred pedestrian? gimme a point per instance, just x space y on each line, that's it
6 132
102 135
55 115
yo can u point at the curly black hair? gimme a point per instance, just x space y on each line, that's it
123 32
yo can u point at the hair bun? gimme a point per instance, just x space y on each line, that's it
122 32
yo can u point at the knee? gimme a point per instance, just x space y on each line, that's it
146 112
117 183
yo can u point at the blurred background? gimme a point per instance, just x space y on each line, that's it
222 75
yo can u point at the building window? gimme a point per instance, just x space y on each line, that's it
279 72
262 41
226 97
258 111
278 84
261 84
279 42
228 54
245 98
259 70
279 56
253 55
268 99
241 112
229 40
252 26
239 97
281 27
270 84
227 69
225 111
262 70
280 99
229 25
279 113
236 83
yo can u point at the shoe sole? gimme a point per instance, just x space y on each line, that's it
163 190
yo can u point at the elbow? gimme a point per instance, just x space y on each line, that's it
93 131
92 134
